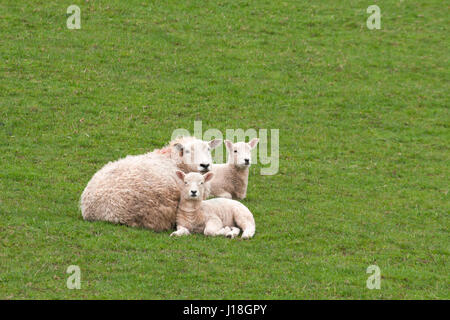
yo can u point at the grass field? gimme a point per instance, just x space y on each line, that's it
364 145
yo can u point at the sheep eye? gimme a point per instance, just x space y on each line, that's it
201 182
235 151
185 183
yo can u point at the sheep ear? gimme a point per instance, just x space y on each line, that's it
180 174
180 148
253 142
208 176
229 144
214 143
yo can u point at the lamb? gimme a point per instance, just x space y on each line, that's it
231 178
143 190
212 217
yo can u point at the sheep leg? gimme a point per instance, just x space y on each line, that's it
223 231
248 233
234 232
181 231
226 229
214 227
245 221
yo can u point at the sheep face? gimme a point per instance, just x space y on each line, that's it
240 153
196 154
194 185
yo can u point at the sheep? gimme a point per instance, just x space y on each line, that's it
143 190
231 179
212 217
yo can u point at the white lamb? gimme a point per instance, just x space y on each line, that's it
231 178
212 217
143 190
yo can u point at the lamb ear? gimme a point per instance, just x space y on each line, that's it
253 142
208 176
229 144
180 174
214 143
180 148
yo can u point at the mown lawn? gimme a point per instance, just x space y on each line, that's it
364 145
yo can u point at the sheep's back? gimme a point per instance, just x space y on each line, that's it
138 191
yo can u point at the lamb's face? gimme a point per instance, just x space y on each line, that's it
196 154
194 185
240 153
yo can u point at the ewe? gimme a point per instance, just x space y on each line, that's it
212 217
143 190
231 179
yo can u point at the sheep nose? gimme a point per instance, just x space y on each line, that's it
204 165
194 192
247 161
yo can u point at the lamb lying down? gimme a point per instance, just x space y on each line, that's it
214 217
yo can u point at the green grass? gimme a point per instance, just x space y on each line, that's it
364 145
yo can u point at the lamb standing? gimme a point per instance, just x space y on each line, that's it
231 179
143 190
212 217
